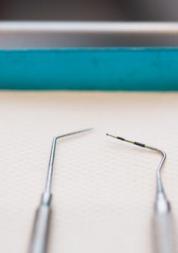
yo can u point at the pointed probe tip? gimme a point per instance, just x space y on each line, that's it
117 137
86 129
83 130
110 135
73 133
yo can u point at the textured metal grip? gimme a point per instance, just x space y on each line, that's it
164 233
40 231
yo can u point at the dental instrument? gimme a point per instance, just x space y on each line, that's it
163 224
40 232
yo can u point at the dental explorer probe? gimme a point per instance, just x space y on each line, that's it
40 232
163 225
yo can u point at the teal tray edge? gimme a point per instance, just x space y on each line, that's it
125 69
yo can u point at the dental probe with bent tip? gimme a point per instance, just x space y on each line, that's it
40 232
163 225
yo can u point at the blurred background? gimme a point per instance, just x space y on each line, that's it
110 10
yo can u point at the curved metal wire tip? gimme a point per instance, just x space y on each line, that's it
160 187
48 183
119 138
73 133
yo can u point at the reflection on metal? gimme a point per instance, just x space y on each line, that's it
87 34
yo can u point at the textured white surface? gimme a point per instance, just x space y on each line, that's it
103 189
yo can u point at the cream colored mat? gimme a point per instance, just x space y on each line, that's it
103 189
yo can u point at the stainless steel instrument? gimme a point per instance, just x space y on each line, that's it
163 232
40 232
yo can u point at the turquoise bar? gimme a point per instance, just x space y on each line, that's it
143 69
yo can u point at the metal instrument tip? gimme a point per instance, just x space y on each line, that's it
110 135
